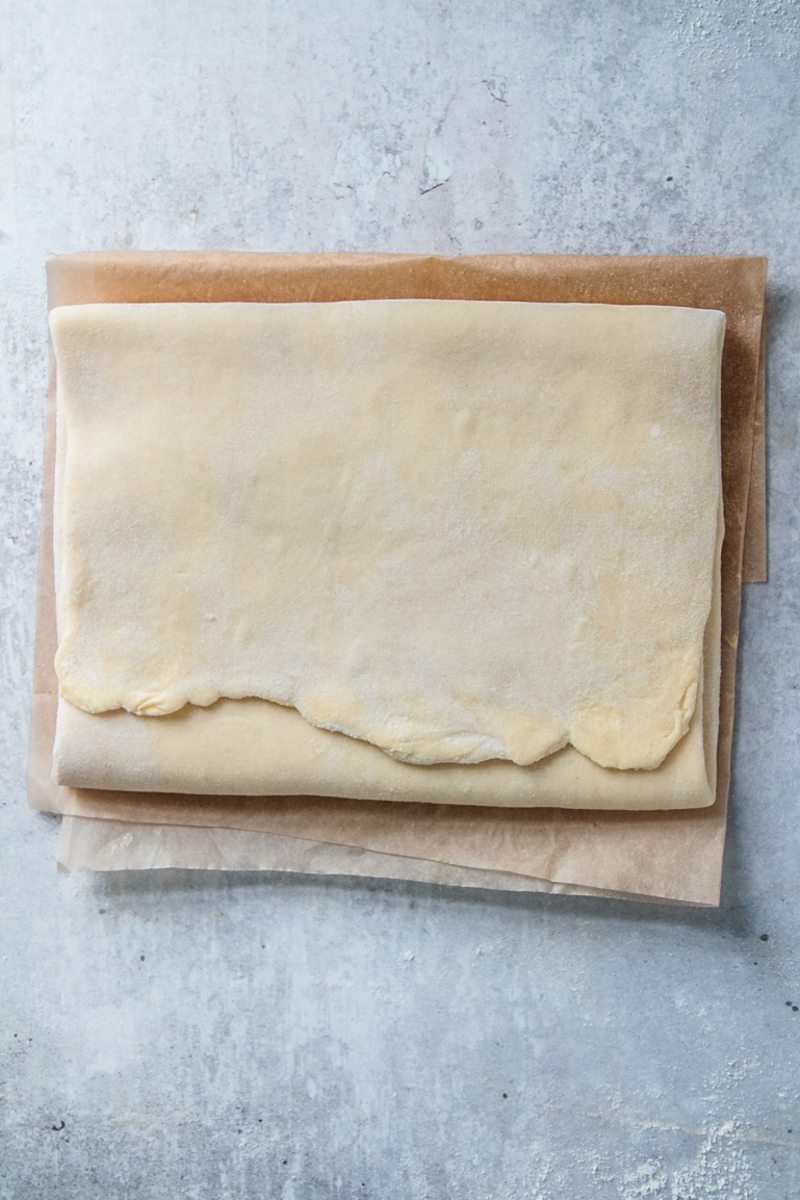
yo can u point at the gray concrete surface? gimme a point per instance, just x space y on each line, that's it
171 1035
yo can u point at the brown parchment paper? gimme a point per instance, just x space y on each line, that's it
754 566
673 856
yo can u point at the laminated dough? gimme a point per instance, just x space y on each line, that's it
375 548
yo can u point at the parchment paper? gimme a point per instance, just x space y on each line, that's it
754 567
86 844
674 856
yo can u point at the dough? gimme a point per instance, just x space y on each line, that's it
251 747
457 530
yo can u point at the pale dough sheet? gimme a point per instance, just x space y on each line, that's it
498 470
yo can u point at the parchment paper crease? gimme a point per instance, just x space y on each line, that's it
675 856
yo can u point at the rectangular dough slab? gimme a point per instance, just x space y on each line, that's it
252 747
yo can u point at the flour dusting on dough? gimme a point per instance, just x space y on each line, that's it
459 530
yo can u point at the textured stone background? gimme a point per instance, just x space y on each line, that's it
171 1035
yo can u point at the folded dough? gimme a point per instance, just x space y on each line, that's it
458 531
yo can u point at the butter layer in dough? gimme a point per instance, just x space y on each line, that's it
437 526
